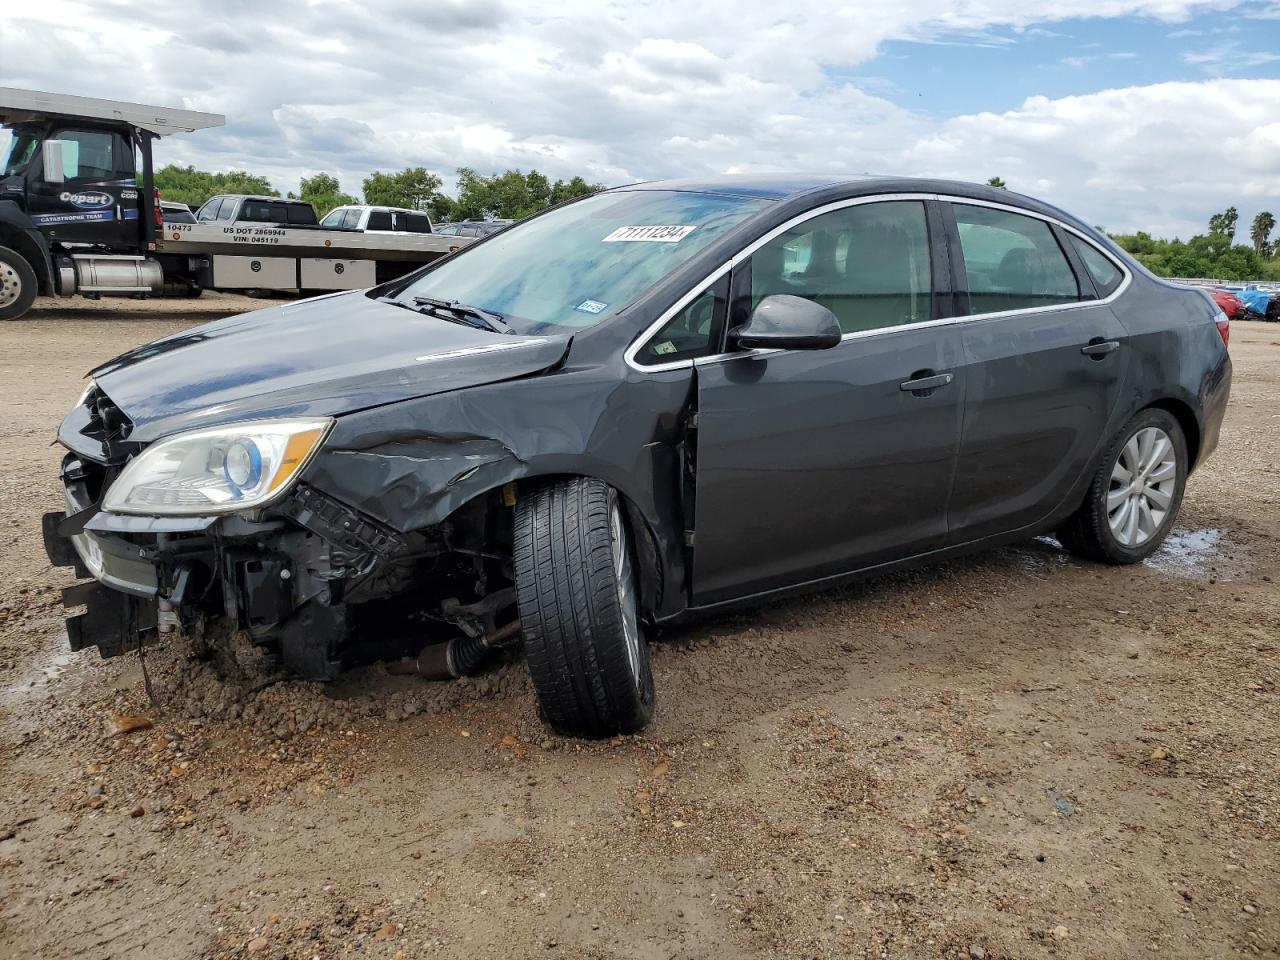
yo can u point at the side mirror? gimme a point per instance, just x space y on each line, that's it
53 162
782 321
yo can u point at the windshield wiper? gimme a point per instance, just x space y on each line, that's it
465 313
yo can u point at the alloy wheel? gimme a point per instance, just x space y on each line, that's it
626 591
1144 480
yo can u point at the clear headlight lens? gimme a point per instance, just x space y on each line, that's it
219 470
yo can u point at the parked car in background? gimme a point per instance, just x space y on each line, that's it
1227 302
472 228
370 219
1259 304
240 208
664 398
174 212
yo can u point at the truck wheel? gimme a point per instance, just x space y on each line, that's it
17 284
1135 495
576 591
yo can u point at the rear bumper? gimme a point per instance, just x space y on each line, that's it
1213 403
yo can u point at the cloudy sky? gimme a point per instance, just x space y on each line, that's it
1135 114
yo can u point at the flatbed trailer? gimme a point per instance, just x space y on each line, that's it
79 214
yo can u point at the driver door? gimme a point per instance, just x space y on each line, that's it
97 200
813 463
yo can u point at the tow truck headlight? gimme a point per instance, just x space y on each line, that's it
220 470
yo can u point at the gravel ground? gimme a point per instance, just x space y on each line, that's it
1014 755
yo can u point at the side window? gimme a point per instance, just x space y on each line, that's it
693 332
1106 275
227 212
209 211
301 213
379 220
351 219
413 223
87 154
333 218
868 264
1013 262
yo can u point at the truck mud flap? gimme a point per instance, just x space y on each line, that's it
114 622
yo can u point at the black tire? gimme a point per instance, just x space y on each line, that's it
1088 532
577 601
18 286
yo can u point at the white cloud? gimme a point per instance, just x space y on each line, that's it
618 91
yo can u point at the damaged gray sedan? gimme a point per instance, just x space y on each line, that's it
663 398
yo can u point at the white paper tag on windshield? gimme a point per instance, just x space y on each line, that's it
651 234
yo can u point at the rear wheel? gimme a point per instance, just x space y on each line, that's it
576 590
17 284
1135 495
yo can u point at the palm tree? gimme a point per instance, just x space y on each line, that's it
1263 224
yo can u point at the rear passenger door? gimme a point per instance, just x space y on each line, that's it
1045 360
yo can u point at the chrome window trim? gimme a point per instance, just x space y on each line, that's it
1035 215
746 252
667 315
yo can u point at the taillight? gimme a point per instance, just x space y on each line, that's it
1224 327
155 204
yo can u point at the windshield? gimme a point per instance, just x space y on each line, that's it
17 147
577 265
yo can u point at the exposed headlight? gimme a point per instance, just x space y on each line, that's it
219 470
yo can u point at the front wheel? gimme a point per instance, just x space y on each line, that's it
1135 495
17 284
577 593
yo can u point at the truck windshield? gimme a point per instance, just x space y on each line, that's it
575 266
21 146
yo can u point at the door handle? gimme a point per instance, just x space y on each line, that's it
924 385
1097 348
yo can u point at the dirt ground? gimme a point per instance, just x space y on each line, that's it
1014 755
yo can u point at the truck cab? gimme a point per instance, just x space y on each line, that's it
360 218
79 181
244 208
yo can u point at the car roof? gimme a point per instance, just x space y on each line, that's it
254 196
374 206
783 187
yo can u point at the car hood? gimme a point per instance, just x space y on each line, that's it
321 357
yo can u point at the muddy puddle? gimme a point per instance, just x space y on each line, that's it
1200 554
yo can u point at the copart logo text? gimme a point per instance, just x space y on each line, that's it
88 200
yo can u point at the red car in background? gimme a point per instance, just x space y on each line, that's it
1227 302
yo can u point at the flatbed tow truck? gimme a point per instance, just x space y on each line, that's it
79 214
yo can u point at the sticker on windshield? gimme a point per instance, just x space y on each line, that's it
592 307
651 234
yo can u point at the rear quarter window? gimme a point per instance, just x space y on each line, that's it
1105 274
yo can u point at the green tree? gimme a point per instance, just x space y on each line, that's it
193 187
1260 233
1224 224
414 188
1212 255
573 189
997 183
323 192
513 195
